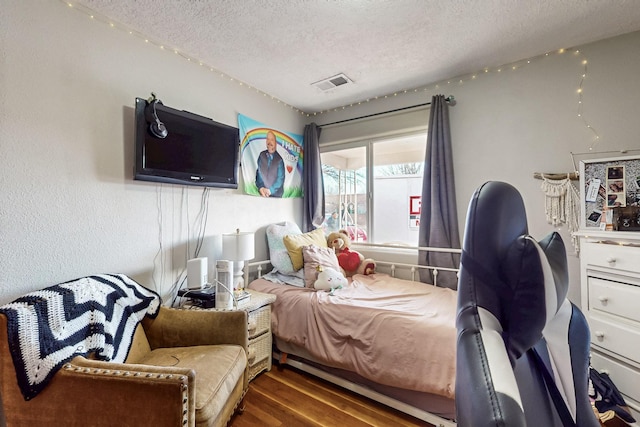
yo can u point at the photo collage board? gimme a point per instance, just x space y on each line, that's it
610 184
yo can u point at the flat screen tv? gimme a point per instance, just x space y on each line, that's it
195 151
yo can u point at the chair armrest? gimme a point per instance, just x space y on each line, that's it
181 328
101 393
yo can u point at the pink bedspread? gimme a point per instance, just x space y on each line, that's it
392 331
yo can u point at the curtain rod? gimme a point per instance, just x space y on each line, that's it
450 99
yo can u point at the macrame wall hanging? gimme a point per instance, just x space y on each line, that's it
562 204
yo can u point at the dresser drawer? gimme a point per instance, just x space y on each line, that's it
617 337
615 298
259 356
259 321
627 379
613 256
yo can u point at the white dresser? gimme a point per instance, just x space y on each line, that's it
610 288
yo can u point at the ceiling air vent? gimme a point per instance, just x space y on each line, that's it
331 82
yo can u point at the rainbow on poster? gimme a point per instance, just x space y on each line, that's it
289 146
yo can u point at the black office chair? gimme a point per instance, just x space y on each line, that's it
523 348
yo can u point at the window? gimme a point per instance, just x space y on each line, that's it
345 190
371 188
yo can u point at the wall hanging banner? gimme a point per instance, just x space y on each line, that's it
271 160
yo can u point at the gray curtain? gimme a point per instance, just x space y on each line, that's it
313 201
438 214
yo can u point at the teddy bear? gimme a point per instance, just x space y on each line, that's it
351 262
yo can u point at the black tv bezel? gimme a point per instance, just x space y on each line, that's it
170 176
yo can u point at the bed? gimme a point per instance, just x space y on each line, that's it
388 338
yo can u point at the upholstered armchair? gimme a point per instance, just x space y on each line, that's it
183 368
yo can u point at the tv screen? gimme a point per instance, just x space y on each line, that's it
196 150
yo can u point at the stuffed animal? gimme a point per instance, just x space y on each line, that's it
351 262
329 279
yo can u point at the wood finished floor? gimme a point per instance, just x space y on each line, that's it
287 397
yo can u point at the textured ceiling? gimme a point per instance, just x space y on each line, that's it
281 47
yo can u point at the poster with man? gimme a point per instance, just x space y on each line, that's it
271 160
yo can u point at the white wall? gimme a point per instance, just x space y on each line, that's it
509 124
68 204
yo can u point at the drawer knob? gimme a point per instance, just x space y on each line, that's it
253 325
604 300
611 260
599 334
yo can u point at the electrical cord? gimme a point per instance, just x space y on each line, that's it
231 293
159 253
201 219
199 225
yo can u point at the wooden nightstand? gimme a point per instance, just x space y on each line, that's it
258 308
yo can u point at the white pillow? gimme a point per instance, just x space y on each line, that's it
278 254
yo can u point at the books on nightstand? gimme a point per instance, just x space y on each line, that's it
241 295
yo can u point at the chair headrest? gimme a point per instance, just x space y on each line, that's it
504 271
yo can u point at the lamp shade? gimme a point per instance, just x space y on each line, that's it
238 246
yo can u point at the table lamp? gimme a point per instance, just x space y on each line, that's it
238 247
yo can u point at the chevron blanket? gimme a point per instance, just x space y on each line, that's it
92 315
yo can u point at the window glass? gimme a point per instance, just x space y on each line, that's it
345 186
388 214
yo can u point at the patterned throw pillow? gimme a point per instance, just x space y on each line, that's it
278 254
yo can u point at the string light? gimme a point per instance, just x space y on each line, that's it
96 17
514 67
432 87
580 92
